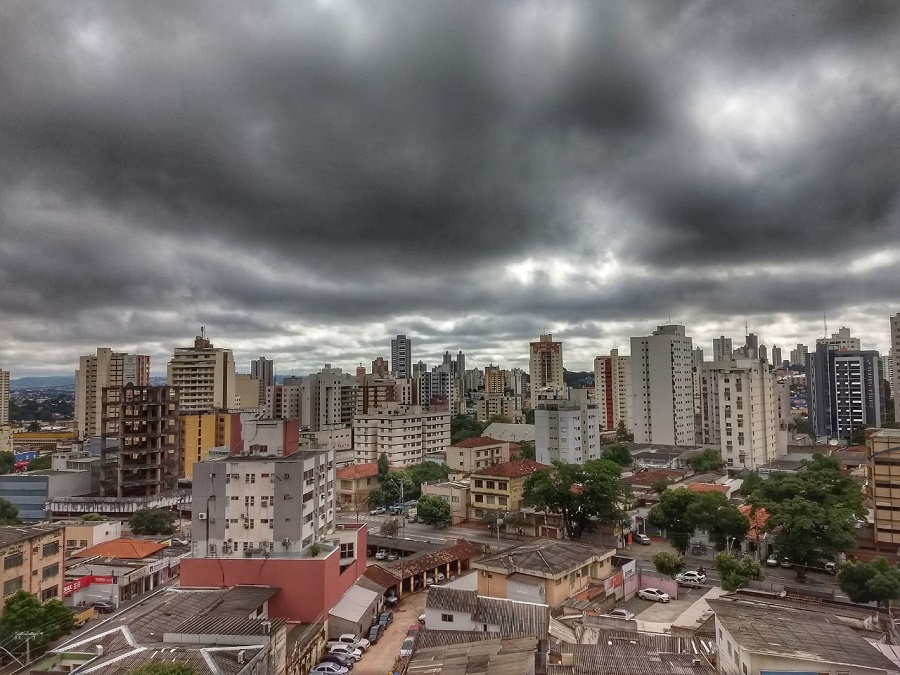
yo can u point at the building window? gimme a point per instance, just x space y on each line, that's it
347 550
49 593
491 499
479 483
479 499
51 549
502 501
447 618
14 560
490 485
502 486
454 499
12 586
50 571
71 543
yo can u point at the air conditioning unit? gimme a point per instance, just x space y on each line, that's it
201 516
246 525
243 516
286 542
227 479
271 524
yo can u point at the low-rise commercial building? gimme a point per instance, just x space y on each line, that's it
29 492
500 487
455 493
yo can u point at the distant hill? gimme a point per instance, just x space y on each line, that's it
40 382
574 378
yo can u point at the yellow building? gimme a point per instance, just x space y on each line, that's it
884 484
499 487
203 431
547 571
33 557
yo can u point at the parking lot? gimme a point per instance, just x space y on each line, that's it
382 655
665 612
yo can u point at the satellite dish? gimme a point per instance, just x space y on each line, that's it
832 442
782 594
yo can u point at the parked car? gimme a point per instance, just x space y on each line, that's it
653 594
620 614
346 650
390 600
690 578
406 649
339 659
772 560
831 567
386 618
787 563
421 619
642 539
375 632
412 631
429 581
381 554
377 511
103 607
441 577
328 668
392 556
349 639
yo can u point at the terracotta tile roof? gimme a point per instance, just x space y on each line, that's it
708 487
757 521
122 548
477 442
390 574
356 471
513 469
651 476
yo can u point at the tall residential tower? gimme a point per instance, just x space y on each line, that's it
204 374
545 366
97 371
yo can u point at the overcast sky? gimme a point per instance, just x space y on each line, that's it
307 179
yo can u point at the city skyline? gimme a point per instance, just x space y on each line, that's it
310 180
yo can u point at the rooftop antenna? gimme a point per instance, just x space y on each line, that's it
825 325
746 328
203 332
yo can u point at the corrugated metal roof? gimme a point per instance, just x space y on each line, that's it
443 638
631 657
498 657
245 599
514 618
355 604
218 624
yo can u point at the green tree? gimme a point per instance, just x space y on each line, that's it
661 486
673 515
166 668
858 434
92 518
22 613
526 450
719 518
463 427
390 528
499 419
384 466
668 563
39 463
34 426
708 460
529 416
425 472
581 494
7 462
803 426
9 514
617 453
153 521
736 572
432 509
751 482
622 433
876 581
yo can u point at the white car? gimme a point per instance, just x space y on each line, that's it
653 594
328 668
772 560
378 511
690 578
381 554
440 577
354 653
643 539
620 614
406 649
429 581
351 640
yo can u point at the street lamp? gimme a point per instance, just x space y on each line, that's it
499 523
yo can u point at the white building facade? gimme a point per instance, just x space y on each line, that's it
328 399
662 387
545 368
407 434
205 376
567 432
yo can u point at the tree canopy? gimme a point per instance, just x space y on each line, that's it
708 460
39 463
668 564
153 521
581 494
736 572
672 514
622 433
7 461
9 514
384 466
617 453
876 581
463 427
432 509
23 613
681 512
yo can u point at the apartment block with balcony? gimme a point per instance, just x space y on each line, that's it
33 560
262 505
499 488
566 431
884 486
612 389
106 368
406 434
204 374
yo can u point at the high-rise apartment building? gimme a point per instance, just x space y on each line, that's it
566 431
201 432
438 390
494 380
285 402
401 357
262 504
800 355
263 370
722 349
380 367
662 387
739 403
106 368
843 389
328 399
612 389
4 397
407 434
840 341
139 441
698 357
545 367
751 346
374 391
204 375
776 356
894 366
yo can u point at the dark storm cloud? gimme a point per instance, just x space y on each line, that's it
276 169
